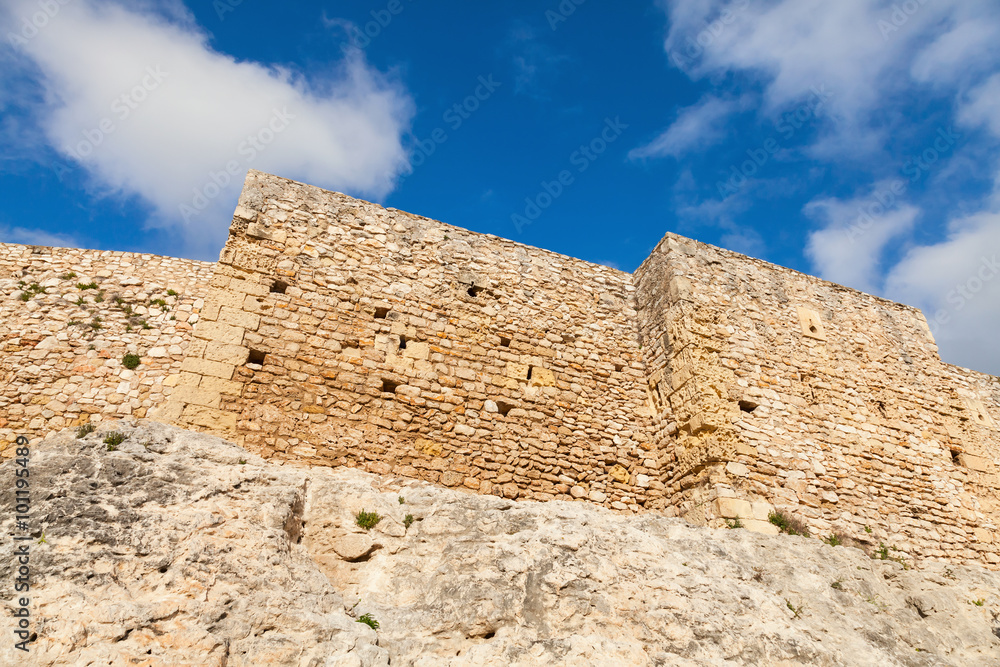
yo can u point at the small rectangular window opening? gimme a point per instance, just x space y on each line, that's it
955 457
530 368
256 357
389 387
748 406
504 341
503 408
402 342
381 313
278 287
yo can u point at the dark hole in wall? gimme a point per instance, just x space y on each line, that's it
812 328
402 342
530 368
475 290
389 386
381 313
619 367
278 287
504 407
955 457
256 357
504 342
748 406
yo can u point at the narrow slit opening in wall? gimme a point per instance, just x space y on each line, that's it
381 313
503 407
279 287
256 357
530 368
402 342
389 386
504 341
955 457
748 406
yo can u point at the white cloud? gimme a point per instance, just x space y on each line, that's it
23 236
188 111
849 248
983 106
696 127
957 284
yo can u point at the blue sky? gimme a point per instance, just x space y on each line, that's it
856 140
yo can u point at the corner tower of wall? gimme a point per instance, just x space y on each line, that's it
790 392
337 332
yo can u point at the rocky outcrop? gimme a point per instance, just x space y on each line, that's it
177 548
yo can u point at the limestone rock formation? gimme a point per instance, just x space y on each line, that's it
177 548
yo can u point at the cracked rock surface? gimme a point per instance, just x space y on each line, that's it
178 548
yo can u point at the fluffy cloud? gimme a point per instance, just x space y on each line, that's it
136 96
850 247
24 236
697 126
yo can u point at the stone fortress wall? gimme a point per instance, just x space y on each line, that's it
61 349
707 385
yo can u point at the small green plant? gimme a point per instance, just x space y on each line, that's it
95 324
42 539
173 317
795 610
131 361
369 621
85 430
868 529
950 573
127 309
114 439
90 285
367 520
446 237
408 521
25 296
402 500
882 553
68 276
838 585
100 297
242 462
157 302
171 292
875 602
145 325
834 540
733 523
979 603
35 288
81 301
788 525
74 323
21 283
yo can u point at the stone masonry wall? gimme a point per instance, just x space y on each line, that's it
783 390
338 332
61 346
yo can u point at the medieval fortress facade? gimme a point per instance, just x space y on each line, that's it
335 332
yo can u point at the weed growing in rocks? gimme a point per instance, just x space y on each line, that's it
90 285
114 439
402 500
788 524
367 520
95 324
131 361
369 621
85 430
797 611
838 585
171 292
408 521
979 603
834 540
734 523
68 276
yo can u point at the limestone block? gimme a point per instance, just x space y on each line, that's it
353 547
517 371
239 318
207 367
734 508
417 350
220 386
219 332
428 447
977 463
542 377
619 474
812 325
758 526
737 469
761 510
235 355
209 418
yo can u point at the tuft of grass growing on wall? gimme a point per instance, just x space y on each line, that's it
733 523
131 361
113 439
788 524
85 430
90 285
369 621
367 520
408 521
